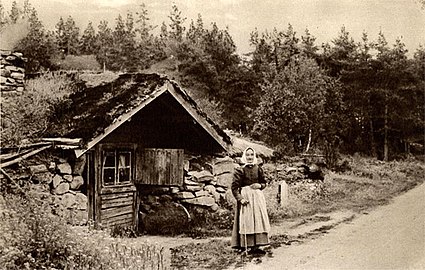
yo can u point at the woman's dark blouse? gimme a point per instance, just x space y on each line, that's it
246 176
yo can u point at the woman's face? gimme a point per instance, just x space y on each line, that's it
249 156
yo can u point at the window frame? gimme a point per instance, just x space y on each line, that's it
117 151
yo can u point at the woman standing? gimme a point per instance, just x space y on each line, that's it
251 226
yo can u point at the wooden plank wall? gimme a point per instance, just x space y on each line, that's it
160 166
118 208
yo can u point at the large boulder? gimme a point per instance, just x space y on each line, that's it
224 180
69 201
210 188
67 177
223 165
79 165
201 201
193 188
201 193
45 177
62 188
81 201
202 176
184 195
77 182
57 179
64 168
36 169
168 218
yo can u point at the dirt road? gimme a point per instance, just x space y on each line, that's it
389 237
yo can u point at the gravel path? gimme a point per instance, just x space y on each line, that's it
389 237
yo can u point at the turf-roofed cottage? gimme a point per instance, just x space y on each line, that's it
136 131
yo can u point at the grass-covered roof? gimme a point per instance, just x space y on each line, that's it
97 106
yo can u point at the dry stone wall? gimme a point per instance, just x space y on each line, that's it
58 182
12 72
206 186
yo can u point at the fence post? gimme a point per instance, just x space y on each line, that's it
283 194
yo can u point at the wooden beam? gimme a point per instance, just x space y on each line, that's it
67 141
5 157
24 146
3 165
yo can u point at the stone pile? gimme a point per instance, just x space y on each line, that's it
12 72
296 172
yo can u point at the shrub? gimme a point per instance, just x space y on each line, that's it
29 114
78 62
206 223
31 237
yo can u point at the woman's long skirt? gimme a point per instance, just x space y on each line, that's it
251 225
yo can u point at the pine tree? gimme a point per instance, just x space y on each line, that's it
72 33
308 44
88 40
38 45
104 43
177 28
14 13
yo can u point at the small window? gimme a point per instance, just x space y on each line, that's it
116 167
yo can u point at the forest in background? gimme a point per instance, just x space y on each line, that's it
345 96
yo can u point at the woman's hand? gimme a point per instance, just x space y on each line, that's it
244 202
255 186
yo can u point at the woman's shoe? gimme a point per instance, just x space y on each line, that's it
256 251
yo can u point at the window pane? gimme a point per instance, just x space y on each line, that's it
124 175
108 176
124 160
109 160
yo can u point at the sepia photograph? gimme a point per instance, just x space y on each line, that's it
212 134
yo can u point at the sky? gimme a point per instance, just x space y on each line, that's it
403 19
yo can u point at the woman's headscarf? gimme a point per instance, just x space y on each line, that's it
243 158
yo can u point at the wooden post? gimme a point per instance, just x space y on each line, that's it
283 194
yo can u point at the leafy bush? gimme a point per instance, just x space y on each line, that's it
31 237
80 62
206 223
367 183
29 114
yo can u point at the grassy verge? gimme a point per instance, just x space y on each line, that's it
31 237
366 184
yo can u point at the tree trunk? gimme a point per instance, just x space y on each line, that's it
372 139
386 129
276 58
309 141
374 152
